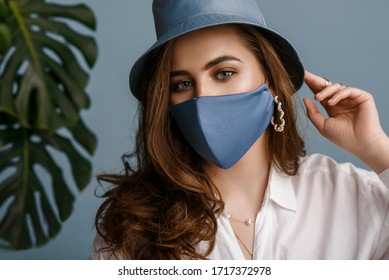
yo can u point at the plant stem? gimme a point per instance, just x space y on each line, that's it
27 38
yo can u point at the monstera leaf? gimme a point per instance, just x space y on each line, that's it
5 35
43 75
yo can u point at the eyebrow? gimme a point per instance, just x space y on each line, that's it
208 65
221 59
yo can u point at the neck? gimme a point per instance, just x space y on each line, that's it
245 182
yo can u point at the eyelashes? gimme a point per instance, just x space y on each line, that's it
181 85
185 84
225 74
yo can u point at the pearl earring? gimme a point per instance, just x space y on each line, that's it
279 127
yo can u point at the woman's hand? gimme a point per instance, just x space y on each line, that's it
352 123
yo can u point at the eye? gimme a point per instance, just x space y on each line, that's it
181 85
223 75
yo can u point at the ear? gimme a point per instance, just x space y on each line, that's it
272 90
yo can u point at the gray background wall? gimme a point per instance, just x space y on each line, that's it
344 40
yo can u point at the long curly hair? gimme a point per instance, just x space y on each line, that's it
162 207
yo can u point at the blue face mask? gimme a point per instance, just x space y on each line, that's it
223 128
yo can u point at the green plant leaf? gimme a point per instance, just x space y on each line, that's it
5 40
43 84
80 13
32 218
3 11
84 136
43 75
5 34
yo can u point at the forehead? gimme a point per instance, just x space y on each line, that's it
208 43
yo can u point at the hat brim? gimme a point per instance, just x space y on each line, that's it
283 48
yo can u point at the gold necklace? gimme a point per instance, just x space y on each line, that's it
246 221
241 242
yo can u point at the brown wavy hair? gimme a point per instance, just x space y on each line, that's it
167 204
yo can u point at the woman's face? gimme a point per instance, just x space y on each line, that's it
212 61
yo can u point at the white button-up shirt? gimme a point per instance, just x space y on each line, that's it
326 211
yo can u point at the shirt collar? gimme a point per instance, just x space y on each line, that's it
280 189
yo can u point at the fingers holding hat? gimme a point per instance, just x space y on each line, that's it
316 83
352 120
325 91
334 93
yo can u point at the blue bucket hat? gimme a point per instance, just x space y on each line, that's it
173 18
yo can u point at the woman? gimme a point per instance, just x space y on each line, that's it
221 170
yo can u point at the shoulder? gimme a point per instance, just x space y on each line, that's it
343 183
321 164
339 198
320 167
